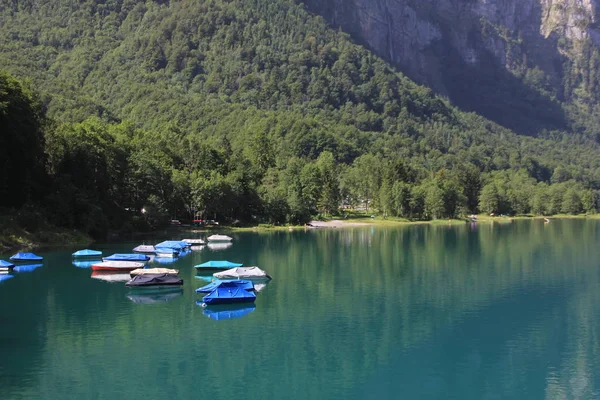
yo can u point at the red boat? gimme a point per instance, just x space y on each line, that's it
117 266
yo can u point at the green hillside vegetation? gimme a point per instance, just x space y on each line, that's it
247 111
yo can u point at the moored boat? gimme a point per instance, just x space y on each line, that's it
154 281
25 257
5 266
87 253
248 273
217 265
219 238
155 271
117 266
229 294
143 248
246 285
127 257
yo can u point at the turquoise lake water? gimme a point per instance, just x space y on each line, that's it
482 311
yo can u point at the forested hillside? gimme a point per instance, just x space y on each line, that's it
254 111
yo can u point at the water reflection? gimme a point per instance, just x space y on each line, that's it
5 277
111 276
84 264
165 260
226 311
27 267
219 246
164 296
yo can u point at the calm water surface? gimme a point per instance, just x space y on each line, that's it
502 311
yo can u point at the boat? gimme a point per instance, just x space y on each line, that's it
154 281
194 241
143 248
87 253
246 285
117 266
166 252
218 246
110 276
25 257
219 238
5 266
233 294
127 257
26 267
217 265
173 244
227 311
84 264
146 271
249 273
150 297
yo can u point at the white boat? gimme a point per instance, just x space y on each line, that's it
143 248
117 266
219 238
194 241
145 271
249 273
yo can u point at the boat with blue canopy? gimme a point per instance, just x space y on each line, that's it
246 285
225 312
173 244
229 294
26 257
27 267
87 253
6 266
217 265
127 257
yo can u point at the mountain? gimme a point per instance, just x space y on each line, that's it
529 65
258 111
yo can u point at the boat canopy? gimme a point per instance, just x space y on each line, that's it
146 280
146 271
224 312
26 257
219 265
246 285
219 238
173 244
229 295
144 249
250 273
6 264
87 253
127 257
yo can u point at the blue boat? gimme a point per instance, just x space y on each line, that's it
217 265
87 254
229 294
246 285
5 265
84 264
224 312
26 257
5 277
26 267
173 244
127 257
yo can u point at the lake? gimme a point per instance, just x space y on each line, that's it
480 311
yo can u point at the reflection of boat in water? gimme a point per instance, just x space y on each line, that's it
206 278
117 266
197 248
219 246
152 297
5 277
227 311
164 260
26 267
111 276
84 264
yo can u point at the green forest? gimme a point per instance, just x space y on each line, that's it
246 112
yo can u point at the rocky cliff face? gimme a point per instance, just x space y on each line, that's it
541 46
